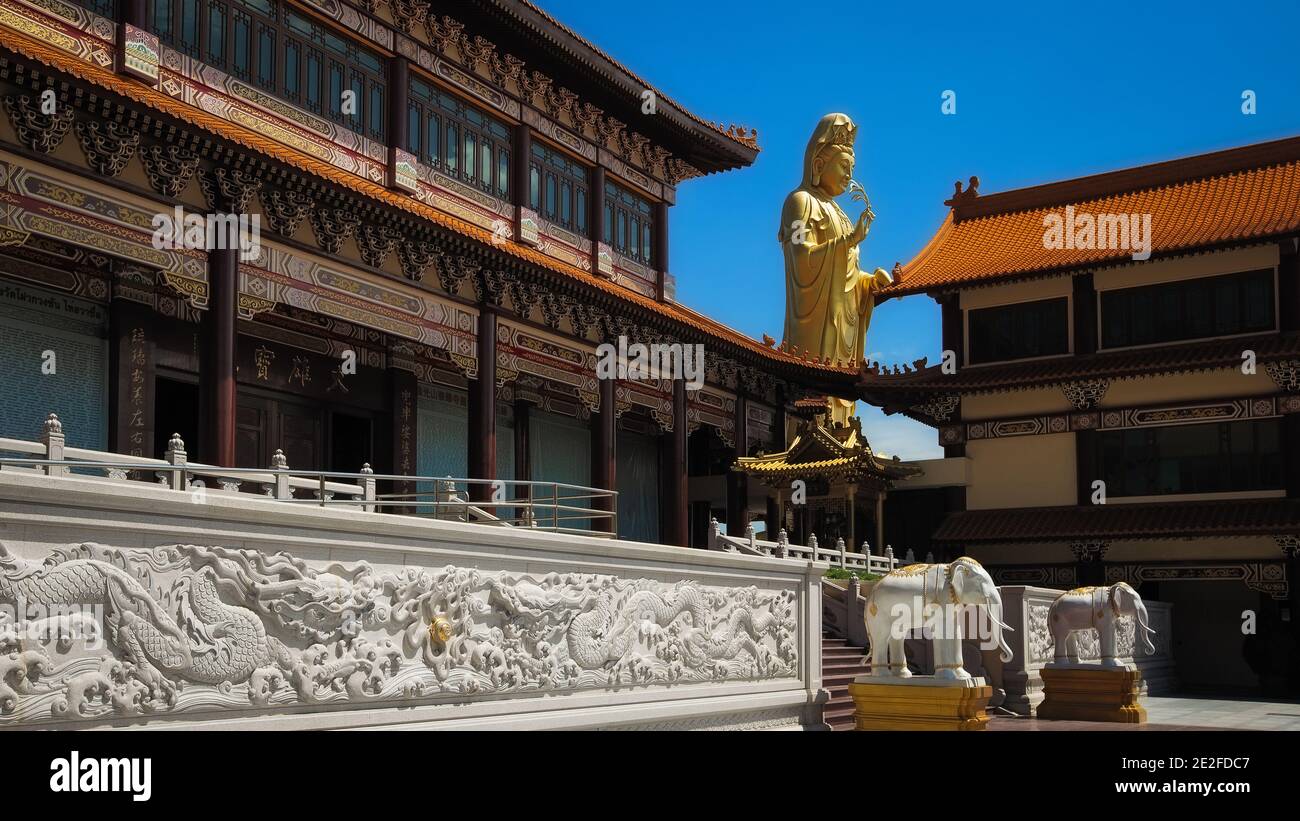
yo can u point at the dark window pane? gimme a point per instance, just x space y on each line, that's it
291 69
1198 458
535 188
1190 309
190 27
413 141
580 211
313 81
265 57
217 35
1021 331
162 19
503 173
242 36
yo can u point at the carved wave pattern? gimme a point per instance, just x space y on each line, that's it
202 628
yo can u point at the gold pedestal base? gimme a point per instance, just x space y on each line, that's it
1098 694
910 707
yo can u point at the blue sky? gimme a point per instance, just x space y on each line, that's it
1043 92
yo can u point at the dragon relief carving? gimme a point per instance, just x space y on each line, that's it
192 627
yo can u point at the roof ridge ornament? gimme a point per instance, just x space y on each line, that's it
961 197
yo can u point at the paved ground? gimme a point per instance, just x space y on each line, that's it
1182 713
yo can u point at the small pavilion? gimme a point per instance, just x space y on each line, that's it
844 481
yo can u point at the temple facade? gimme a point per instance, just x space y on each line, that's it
1120 395
443 210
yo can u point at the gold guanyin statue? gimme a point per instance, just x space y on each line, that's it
828 298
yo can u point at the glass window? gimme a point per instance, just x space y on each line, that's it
1020 331
1198 458
245 37
1189 309
472 138
632 221
566 186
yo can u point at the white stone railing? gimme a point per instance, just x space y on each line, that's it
838 556
235 610
552 506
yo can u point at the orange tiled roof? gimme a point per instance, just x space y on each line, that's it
1242 194
106 78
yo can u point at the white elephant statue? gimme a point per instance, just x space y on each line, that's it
1100 608
930 594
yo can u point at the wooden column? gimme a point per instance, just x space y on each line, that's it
482 407
1291 461
596 220
738 482
399 85
523 150
1288 290
954 335
880 521
217 360
1085 460
675 509
134 12
772 516
661 246
604 450
1085 315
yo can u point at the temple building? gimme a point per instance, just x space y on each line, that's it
1120 407
444 209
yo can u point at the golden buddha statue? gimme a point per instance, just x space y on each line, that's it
828 299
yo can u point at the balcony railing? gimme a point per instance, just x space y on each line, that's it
550 506
838 556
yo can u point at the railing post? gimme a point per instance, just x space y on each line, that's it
279 462
713 533
929 557
368 488
851 594
889 557
782 544
866 551
812 546
839 545
175 456
753 539
52 438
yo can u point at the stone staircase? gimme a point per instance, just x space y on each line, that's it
841 662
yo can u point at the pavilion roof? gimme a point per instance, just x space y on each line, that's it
821 452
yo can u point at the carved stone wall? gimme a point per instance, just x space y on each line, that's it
438 619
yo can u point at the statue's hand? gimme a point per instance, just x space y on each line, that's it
863 226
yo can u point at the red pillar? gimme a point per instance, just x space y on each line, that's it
217 360
676 527
660 261
737 482
482 407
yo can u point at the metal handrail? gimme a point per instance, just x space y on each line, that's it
361 493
